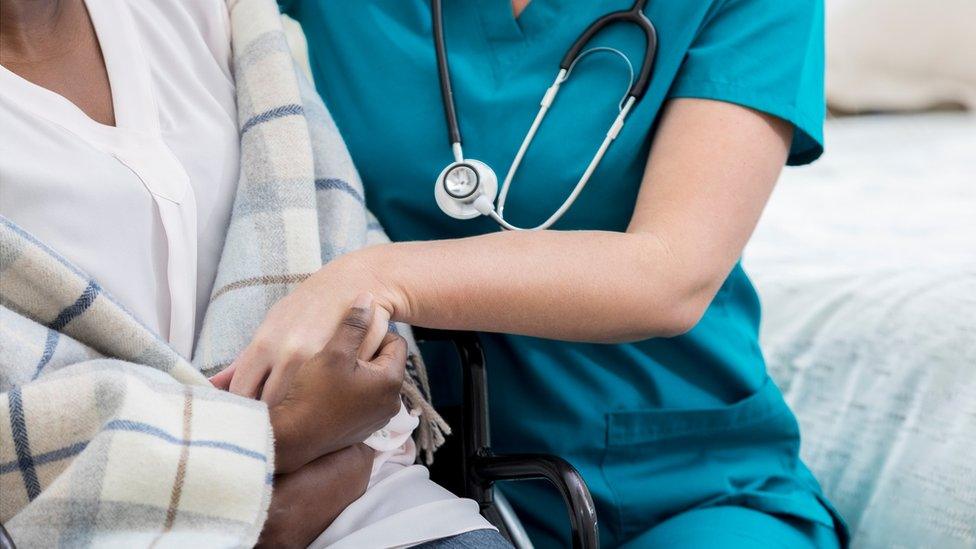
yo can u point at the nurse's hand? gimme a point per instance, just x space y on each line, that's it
302 322
335 399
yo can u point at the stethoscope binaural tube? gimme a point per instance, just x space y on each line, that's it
633 15
466 188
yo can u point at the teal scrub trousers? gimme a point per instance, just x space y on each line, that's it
735 528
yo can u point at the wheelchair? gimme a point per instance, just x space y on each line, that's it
477 468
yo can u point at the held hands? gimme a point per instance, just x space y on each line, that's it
301 323
335 399
324 399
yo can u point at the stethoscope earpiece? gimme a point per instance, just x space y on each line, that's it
464 187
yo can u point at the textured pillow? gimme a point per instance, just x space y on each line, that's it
900 54
867 270
881 371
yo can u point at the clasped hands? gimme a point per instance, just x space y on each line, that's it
321 409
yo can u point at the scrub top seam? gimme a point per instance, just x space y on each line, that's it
486 37
615 497
766 103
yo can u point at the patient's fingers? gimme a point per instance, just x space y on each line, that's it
276 386
376 333
353 328
390 367
392 358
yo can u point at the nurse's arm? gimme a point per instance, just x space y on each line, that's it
709 174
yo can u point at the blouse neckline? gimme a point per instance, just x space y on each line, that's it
128 73
137 142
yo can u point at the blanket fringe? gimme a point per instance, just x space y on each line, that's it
431 432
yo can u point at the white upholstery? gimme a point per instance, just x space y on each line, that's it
866 264
900 54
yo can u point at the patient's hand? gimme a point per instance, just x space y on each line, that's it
305 503
336 399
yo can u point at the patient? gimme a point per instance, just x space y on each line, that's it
121 151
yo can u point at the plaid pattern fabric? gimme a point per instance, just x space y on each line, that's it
299 203
108 436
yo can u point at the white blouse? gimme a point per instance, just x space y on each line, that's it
143 207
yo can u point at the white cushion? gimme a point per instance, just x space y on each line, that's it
900 54
866 264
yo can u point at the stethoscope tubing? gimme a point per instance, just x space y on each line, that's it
444 74
634 15
637 88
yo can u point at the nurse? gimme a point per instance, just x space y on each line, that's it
624 339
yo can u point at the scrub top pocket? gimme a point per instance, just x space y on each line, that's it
677 459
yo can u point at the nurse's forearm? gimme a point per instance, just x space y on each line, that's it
710 171
711 168
576 285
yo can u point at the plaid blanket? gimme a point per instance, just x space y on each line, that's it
107 435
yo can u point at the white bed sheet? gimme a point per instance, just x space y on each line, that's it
866 265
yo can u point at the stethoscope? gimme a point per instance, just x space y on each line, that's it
466 188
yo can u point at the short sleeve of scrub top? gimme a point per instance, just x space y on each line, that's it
766 55
657 427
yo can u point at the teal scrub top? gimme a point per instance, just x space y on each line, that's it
656 427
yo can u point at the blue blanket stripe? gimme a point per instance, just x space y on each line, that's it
140 427
339 185
50 344
80 305
46 457
44 247
277 112
18 428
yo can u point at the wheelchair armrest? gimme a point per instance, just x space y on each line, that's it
483 468
475 432
565 477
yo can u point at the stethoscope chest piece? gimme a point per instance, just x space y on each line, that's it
466 188
463 189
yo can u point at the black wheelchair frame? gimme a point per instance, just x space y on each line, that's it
482 467
5 541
